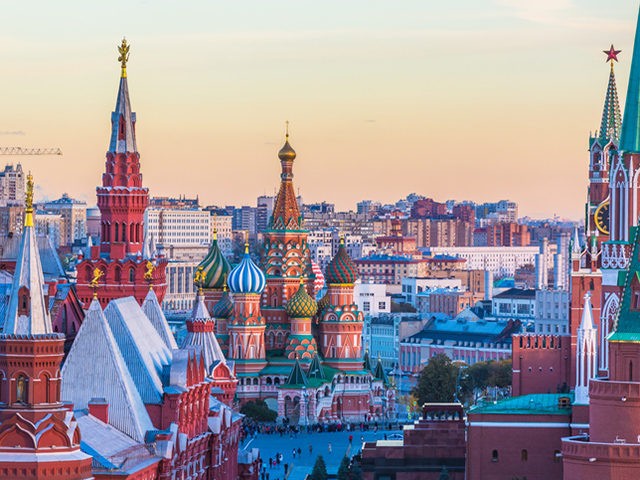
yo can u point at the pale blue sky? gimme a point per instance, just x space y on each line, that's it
481 100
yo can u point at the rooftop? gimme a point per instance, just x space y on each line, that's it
534 404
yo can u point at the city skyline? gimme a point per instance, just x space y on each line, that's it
225 94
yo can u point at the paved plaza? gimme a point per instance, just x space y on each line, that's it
272 444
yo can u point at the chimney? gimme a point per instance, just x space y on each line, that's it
99 408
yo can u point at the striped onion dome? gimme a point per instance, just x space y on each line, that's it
318 283
341 269
223 307
246 277
215 266
301 305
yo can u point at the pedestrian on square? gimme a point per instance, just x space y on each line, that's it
270 462
286 467
294 453
350 439
299 451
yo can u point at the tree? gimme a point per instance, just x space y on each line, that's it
343 469
319 471
258 411
437 381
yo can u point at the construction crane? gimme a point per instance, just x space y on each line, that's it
29 151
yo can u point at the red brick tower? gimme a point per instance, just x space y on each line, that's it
286 254
122 200
612 449
588 263
38 435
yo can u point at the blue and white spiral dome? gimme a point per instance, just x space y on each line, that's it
246 277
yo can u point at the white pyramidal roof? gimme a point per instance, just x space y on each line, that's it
95 345
153 311
587 314
142 349
207 341
27 312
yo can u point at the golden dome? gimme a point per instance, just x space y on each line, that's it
286 152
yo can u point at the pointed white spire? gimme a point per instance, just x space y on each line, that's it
28 312
575 247
586 368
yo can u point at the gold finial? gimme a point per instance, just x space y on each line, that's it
198 278
301 280
148 274
246 247
224 283
286 129
95 281
123 49
342 240
215 234
28 203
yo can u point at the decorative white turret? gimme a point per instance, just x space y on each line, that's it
586 367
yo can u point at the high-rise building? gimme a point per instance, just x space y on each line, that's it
74 218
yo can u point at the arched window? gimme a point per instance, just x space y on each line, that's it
630 371
132 235
117 235
524 455
132 275
24 307
118 274
494 456
21 389
124 232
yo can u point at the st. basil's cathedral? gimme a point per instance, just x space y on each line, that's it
128 401
303 357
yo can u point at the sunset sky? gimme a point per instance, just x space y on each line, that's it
469 100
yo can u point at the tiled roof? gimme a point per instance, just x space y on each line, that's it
152 310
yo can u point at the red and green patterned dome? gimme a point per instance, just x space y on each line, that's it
301 305
341 269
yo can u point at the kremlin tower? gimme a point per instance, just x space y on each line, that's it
39 437
122 200
601 244
612 448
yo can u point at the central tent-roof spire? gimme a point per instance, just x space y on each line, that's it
611 118
123 135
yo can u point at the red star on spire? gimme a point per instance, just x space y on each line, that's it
612 54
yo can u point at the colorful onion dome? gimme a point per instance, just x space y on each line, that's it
215 266
323 302
341 269
246 277
223 307
318 283
286 152
301 305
